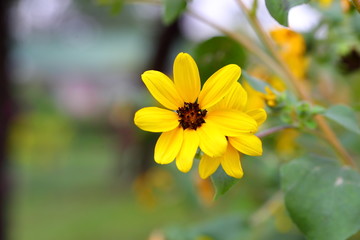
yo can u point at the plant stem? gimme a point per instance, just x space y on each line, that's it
272 130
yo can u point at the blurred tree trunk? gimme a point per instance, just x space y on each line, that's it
163 43
6 107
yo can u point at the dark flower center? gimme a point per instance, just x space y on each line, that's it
191 116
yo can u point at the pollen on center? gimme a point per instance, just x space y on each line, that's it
191 116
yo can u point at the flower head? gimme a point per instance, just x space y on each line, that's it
189 119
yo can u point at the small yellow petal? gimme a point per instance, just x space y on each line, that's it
186 77
168 146
258 114
218 85
185 158
235 99
231 122
255 99
162 89
231 163
154 119
212 141
248 144
208 165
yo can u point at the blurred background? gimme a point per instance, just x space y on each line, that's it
76 166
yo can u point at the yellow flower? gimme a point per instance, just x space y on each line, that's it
288 41
258 99
190 121
291 46
246 143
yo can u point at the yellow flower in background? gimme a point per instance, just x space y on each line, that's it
325 3
245 143
288 41
291 46
258 99
345 5
150 183
189 121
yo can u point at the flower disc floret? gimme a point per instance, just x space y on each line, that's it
191 116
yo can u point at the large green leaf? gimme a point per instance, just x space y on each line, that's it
344 116
213 54
173 9
322 198
279 9
222 182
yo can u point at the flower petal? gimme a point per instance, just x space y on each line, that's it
258 114
154 119
186 77
235 99
218 85
231 122
212 141
162 89
248 144
185 158
168 146
231 163
255 99
208 165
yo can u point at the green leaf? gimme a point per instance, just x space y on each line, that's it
257 84
217 52
173 9
322 198
344 116
279 9
222 182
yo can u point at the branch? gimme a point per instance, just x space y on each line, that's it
273 130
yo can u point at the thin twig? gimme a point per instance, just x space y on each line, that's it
272 130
